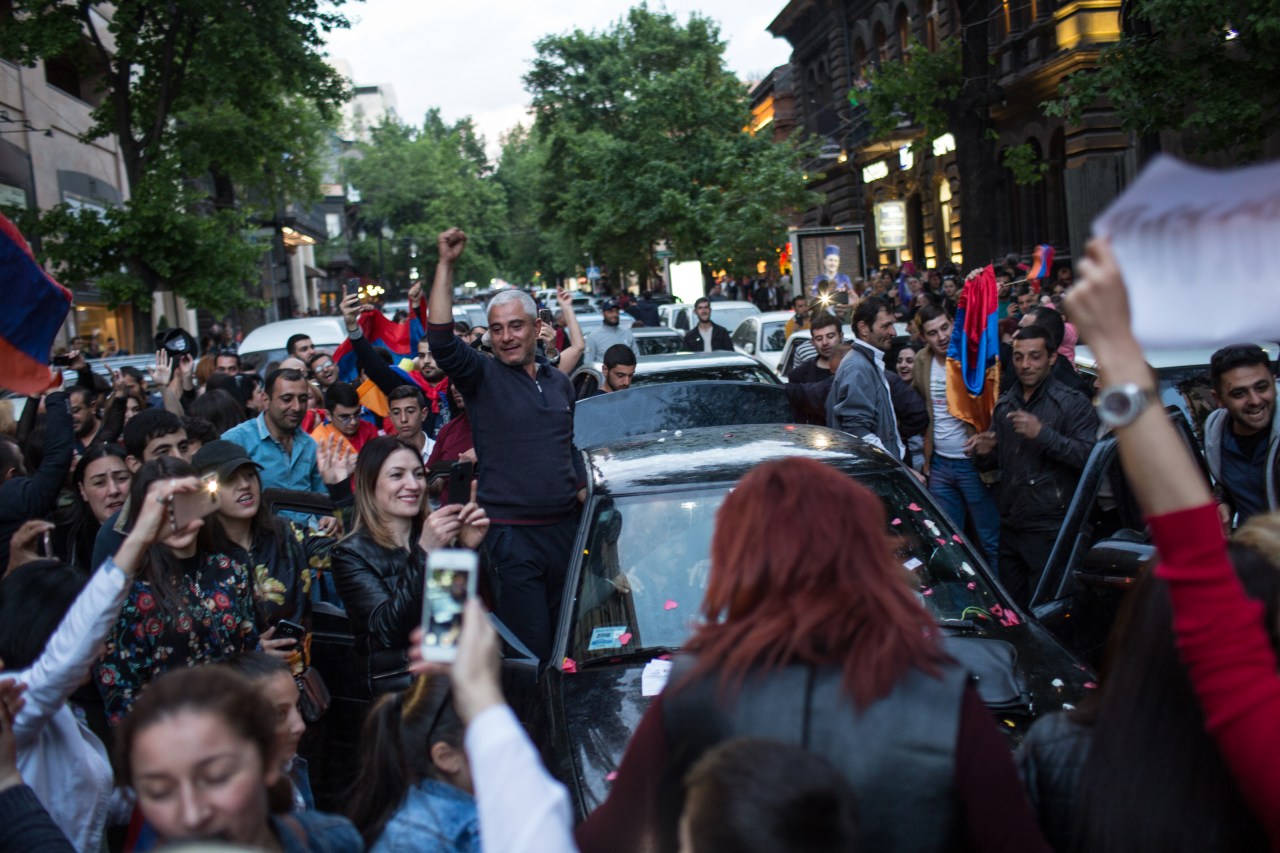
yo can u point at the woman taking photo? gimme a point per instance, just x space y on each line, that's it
413 793
52 627
101 479
187 605
814 636
379 568
201 750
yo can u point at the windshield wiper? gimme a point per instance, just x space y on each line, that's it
961 625
647 652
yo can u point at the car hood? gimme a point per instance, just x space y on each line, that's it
1021 673
644 409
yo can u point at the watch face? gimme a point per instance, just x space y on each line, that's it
1117 405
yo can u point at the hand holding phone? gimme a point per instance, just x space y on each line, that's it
186 507
451 581
460 476
544 314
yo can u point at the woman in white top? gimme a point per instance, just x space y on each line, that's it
49 642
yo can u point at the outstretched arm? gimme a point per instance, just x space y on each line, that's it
440 305
571 355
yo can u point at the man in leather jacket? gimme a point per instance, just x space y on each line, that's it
1040 438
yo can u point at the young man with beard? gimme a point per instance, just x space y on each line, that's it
609 334
826 336
435 388
1040 438
286 454
531 478
1242 438
861 403
84 416
619 366
706 336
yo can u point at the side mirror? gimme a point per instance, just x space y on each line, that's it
750 347
1114 563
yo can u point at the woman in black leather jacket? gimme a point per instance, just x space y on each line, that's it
379 568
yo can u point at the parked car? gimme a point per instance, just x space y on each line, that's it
762 335
658 340
725 312
265 344
1183 376
681 367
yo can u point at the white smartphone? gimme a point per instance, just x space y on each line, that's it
451 580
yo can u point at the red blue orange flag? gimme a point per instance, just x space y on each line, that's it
35 307
1042 262
400 339
973 356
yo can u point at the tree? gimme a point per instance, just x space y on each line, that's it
415 183
643 133
1206 69
219 108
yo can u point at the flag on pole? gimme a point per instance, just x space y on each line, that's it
35 307
973 356
1042 262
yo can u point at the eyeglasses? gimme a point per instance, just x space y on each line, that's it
346 418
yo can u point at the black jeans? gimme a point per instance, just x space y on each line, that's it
529 565
1023 555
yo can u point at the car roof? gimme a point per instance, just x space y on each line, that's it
690 360
707 455
1172 358
323 331
656 332
773 316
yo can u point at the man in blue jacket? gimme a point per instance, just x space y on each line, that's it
531 477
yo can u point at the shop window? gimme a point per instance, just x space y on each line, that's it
71 72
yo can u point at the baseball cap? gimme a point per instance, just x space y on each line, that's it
222 458
609 305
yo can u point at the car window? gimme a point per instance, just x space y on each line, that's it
745 333
681 319
734 373
648 562
657 344
773 338
731 318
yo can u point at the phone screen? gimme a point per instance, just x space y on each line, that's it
451 580
460 475
544 315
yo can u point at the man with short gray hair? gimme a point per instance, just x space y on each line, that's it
531 477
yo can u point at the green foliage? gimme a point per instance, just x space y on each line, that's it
1024 163
920 92
1202 67
641 129
219 109
418 182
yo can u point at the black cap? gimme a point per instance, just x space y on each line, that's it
221 458
178 342
609 305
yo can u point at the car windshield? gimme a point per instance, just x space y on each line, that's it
657 344
731 318
773 337
648 560
728 373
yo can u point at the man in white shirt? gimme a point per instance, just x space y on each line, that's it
407 410
953 480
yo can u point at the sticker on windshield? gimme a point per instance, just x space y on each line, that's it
654 678
607 638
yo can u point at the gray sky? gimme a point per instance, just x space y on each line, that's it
468 58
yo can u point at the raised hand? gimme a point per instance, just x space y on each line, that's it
474 521
415 295
162 370
565 300
335 460
441 528
24 547
352 308
451 243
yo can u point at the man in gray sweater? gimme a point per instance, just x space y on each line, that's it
860 403
609 333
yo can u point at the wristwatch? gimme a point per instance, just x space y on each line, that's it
1120 405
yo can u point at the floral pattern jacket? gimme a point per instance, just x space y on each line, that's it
283 567
214 620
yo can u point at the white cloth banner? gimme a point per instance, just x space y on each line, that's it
1198 251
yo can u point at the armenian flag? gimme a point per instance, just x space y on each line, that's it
1042 262
34 308
973 357
400 339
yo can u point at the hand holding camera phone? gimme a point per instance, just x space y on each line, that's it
186 507
451 580
460 477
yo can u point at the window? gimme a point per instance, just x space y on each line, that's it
882 45
902 24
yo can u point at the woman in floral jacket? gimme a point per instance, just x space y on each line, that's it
187 606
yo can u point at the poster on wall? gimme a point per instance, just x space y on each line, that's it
829 260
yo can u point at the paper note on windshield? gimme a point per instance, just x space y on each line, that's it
1197 249
654 678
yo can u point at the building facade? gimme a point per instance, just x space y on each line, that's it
1034 45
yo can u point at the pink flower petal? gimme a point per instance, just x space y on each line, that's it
896 522
971 585
611 775
941 541
570 665
955 537
670 605
1089 685
927 591
914 507
623 639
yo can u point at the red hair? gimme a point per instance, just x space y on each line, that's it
803 571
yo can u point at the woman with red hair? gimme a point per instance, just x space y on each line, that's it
812 634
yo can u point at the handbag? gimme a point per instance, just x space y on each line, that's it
313 694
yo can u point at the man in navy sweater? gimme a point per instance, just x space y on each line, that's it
531 477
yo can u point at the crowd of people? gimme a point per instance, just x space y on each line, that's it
159 592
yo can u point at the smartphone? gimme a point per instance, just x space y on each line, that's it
460 476
544 314
290 631
60 361
186 507
451 580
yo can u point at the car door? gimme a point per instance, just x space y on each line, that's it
744 337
